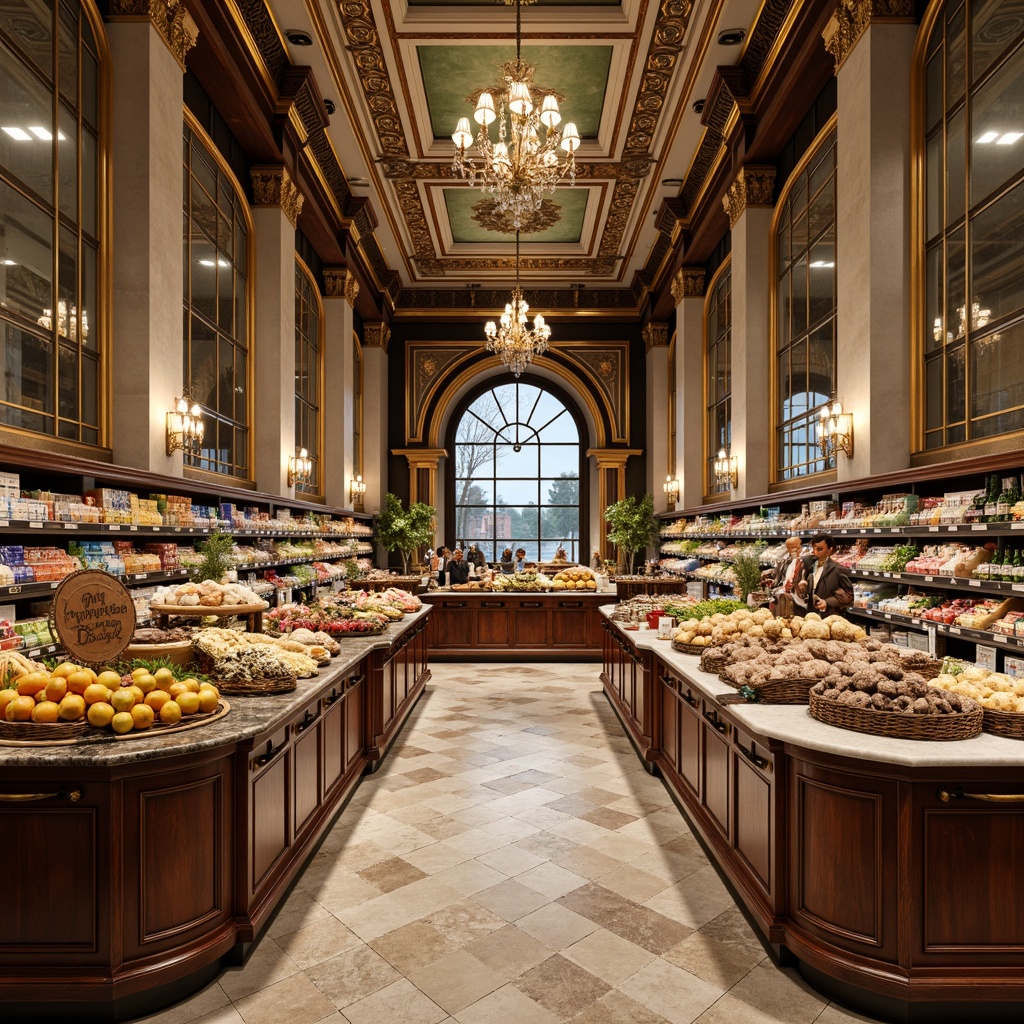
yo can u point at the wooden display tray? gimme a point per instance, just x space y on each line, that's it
197 610
179 652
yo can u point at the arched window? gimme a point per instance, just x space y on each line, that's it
308 373
52 88
804 250
718 373
970 131
517 463
216 242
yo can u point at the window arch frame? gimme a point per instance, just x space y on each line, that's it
193 465
101 288
777 421
710 494
315 489
459 410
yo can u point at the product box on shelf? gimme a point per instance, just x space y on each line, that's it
10 485
1013 666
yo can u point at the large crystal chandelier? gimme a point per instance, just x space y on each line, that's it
515 343
523 164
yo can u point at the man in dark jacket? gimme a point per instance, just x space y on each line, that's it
458 568
826 587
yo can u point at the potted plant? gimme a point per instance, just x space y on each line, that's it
217 558
632 525
746 567
399 530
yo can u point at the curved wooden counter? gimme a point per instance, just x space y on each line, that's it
138 869
878 866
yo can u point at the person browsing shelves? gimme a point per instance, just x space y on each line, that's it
789 571
826 587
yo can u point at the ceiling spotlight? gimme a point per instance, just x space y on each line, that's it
330 107
698 106
297 37
731 36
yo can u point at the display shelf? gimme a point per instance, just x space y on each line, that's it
983 636
936 580
24 591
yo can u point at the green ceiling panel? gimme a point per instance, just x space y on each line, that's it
568 229
452 73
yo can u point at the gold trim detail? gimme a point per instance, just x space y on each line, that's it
339 282
169 17
851 18
376 335
688 283
753 187
655 335
487 215
273 186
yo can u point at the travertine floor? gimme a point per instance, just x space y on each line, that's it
511 863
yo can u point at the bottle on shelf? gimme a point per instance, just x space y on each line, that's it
1018 567
1008 557
992 499
1003 503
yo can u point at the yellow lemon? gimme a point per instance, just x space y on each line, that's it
142 716
208 701
72 707
145 682
188 702
164 676
46 711
109 678
20 709
123 699
100 714
170 713
32 682
156 699
96 693
56 688
79 681
122 722
65 669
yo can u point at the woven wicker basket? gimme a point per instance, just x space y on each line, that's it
778 691
927 669
257 687
960 725
1004 723
42 732
688 648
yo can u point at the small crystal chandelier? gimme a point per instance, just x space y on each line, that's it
523 164
515 343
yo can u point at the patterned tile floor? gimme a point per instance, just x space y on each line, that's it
511 863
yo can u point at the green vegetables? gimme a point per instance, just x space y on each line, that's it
714 606
897 561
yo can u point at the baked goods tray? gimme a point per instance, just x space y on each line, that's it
196 610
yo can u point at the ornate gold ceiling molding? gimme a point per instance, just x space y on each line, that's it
376 334
688 283
754 186
655 335
851 19
340 282
273 186
487 214
169 18
427 365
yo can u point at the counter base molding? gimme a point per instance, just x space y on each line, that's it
888 873
173 856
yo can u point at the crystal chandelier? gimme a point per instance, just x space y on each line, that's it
523 164
69 323
515 343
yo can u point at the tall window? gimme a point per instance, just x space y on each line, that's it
216 243
517 473
805 341
308 354
50 216
718 379
972 208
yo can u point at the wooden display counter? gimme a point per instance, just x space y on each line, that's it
885 869
478 625
137 870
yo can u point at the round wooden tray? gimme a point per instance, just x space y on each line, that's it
960 725
159 729
197 610
178 652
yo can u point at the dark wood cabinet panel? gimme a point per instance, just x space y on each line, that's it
689 740
569 624
333 732
306 758
451 625
752 820
355 729
670 713
493 624
532 625
715 761
269 816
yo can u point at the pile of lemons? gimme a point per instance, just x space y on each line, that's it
71 693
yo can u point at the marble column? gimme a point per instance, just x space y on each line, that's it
748 203
340 459
873 58
688 292
375 414
275 213
659 460
148 43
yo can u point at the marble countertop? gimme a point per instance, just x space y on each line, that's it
248 717
793 725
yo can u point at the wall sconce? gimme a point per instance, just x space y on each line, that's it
671 489
727 471
185 427
356 490
835 430
300 469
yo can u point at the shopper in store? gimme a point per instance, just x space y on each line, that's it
520 564
458 568
476 556
789 571
442 565
506 564
826 587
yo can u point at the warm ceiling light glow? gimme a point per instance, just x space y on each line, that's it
41 133
823 263
213 263
17 133
984 140
1009 138
8 263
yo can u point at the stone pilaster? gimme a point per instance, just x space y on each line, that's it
273 187
852 17
655 335
146 363
754 186
688 291
375 413
170 18
339 412
873 237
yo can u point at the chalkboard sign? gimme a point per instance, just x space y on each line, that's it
93 616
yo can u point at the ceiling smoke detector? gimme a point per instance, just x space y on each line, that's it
698 106
297 37
330 107
731 36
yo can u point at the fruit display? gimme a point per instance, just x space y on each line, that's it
994 691
207 594
718 627
239 657
576 578
107 699
527 580
319 617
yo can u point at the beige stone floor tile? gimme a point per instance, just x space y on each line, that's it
716 962
586 862
551 880
318 941
469 877
543 817
296 1000
343 892
781 993
455 981
692 908
267 964
556 926
225 1015
399 1003
510 828
835 1014
509 951
680 997
510 899
376 917
205 1002
437 857
730 1010
732 929
476 841
608 956
510 860
561 986
426 896
633 883
351 976
617 1008
621 847
505 1006
463 922
413 946
579 830
296 912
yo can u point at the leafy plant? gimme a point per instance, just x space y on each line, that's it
713 606
632 525
404 531
216 558
352 570
746 567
